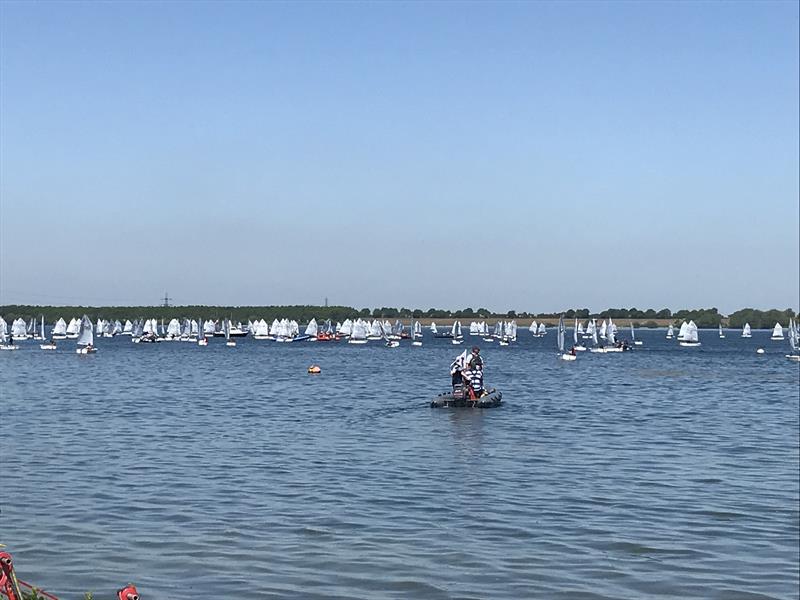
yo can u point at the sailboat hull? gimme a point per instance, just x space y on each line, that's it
567 357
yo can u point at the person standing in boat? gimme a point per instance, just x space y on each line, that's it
474 376
475 359
456 369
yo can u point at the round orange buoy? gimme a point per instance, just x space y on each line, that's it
314 369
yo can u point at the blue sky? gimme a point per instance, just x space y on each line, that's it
534 156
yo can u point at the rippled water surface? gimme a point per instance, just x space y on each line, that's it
664 472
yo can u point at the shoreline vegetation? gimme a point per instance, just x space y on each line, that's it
649 318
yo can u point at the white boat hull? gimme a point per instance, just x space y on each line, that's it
356 341
637 343
9 347
580 348
203 342
689 344
85 350
230 344
416 343
794 357
47 346
567 357
777 339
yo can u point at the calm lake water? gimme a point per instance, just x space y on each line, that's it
664 472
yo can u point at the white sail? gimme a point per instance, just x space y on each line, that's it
690 335
73 327
579 327
128 327
721 332
604 329
611 336
792 335
746 331
670 332
561 330
777 332
575 332
85 332
542 329
60 328
3 334
311 328
359 331
434 331
456 330
174 328
346 327
533 328
682 331
19 329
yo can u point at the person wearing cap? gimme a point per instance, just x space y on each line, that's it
475 359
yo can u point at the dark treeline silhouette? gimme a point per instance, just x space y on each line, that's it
703 317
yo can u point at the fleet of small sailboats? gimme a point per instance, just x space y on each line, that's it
603 334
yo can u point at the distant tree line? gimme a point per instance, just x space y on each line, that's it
703 317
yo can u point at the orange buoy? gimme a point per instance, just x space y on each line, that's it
314 369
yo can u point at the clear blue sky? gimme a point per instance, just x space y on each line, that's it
531 155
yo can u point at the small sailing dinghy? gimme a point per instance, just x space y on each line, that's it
85 337
690 337
568 356
202 340
358 335
794 342
746 331
226 326
670 332
5 343
575 333
633 336
455 333
51 345
777 333
416 332
721 332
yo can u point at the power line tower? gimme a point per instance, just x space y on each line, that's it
166 302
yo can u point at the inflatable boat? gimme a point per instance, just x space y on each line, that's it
490 399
